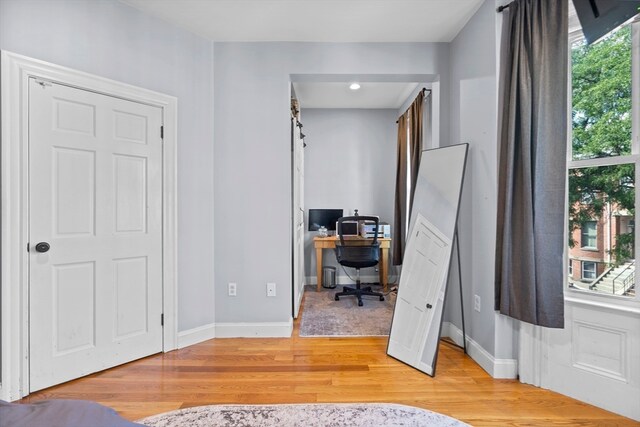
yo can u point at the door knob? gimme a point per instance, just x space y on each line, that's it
42 247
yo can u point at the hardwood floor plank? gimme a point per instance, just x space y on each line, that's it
323 370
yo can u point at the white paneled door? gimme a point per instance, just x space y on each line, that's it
420 292
95 232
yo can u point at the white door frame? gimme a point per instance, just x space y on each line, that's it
15 71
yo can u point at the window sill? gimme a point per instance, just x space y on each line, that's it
611 302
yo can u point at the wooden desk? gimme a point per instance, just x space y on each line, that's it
321 243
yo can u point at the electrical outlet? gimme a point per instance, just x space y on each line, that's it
232 289
476 303
271 289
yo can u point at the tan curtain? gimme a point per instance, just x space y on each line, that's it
399 219
412 119
415 143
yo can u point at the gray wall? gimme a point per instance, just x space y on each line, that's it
473 120
349 163
252 156
113 40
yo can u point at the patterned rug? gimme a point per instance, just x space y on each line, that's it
309 415
322 315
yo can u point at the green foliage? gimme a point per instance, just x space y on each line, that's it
601 115
601 119
623 249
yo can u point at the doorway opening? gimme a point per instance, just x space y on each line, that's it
349 163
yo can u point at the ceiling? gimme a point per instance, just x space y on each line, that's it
338 95
322 21
316 20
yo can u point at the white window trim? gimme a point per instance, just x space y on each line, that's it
15 72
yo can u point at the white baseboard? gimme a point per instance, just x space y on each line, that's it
497 368
196 335
235 330
253 330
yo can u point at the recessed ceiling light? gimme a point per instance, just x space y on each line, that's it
354 86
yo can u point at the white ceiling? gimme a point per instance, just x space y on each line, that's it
323 21
316 20
338 95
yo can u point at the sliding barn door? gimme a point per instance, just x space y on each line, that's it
298 214
95 218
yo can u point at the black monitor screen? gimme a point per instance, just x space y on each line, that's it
324 217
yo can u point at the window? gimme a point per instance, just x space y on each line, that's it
588 235
570 268
588 270
604 156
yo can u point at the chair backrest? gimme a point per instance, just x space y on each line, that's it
355 252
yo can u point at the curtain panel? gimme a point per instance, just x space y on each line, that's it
400 204
532 140
409 139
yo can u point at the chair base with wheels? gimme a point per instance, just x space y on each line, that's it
358 291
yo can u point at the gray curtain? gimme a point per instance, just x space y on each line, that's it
532 139
412 118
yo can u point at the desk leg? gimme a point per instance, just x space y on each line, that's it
318 268
384 263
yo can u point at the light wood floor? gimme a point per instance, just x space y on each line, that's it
310 370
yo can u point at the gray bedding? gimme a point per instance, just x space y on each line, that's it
60 413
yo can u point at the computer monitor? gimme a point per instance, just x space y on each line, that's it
324 218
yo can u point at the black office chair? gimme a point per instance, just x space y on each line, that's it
358 253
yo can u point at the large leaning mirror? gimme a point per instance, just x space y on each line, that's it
415 329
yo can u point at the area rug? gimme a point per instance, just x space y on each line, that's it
306 415
322 315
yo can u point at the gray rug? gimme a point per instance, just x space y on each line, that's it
306 415
323 316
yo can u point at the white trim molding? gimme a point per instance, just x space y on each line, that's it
530 351
15 72
196 335
497 368
255 330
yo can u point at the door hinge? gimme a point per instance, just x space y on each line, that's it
27 247
162 132
162 319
